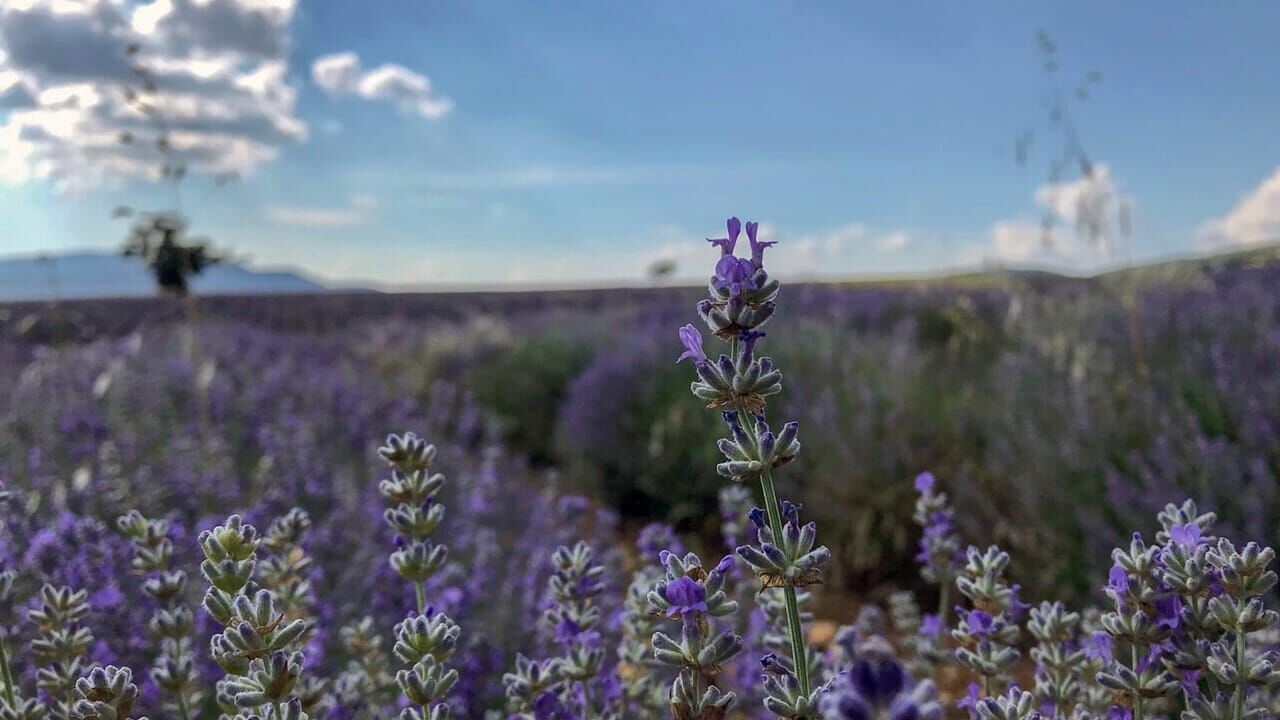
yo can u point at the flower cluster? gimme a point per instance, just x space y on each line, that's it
987 633
1144 615
691 595
171 626
1060 662
414 514
644 684
257 648
62 645
875 685
425 640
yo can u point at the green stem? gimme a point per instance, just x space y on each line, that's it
8 677
1238 708
799 658
420 591
1134 655
279 711
182 707
944 608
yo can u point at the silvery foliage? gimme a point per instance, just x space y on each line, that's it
986 635
691 595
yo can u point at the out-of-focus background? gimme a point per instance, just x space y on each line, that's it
1027 247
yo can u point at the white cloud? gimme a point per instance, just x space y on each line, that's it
359 210
220 88
1083 216
341 74
893 241
1255 219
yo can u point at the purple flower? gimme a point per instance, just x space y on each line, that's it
757 246
931 625
725 565
548 706
726 244
749 338
925 482
1169 612
1119 713
1187 535
1017 608
569 632
686 597
980 623
1117 581
734 274
692 341
1098 646
758 518
970 700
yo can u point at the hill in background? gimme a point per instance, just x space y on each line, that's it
98 275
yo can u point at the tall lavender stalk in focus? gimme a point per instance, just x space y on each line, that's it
741 301
427 639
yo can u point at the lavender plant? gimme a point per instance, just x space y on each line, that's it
742 299
987 634
572 618
171 625
876 686
691 595
1059 660
425 640
62 645
257 647
1144 615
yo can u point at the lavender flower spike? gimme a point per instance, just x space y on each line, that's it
692 341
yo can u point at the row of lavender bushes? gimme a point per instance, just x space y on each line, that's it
1083 405
185 426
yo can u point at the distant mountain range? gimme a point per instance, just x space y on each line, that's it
99 274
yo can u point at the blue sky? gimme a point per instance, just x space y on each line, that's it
576 142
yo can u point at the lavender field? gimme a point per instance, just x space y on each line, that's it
537 545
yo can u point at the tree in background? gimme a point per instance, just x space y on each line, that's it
160 238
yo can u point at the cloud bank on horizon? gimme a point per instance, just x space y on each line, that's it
267 90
